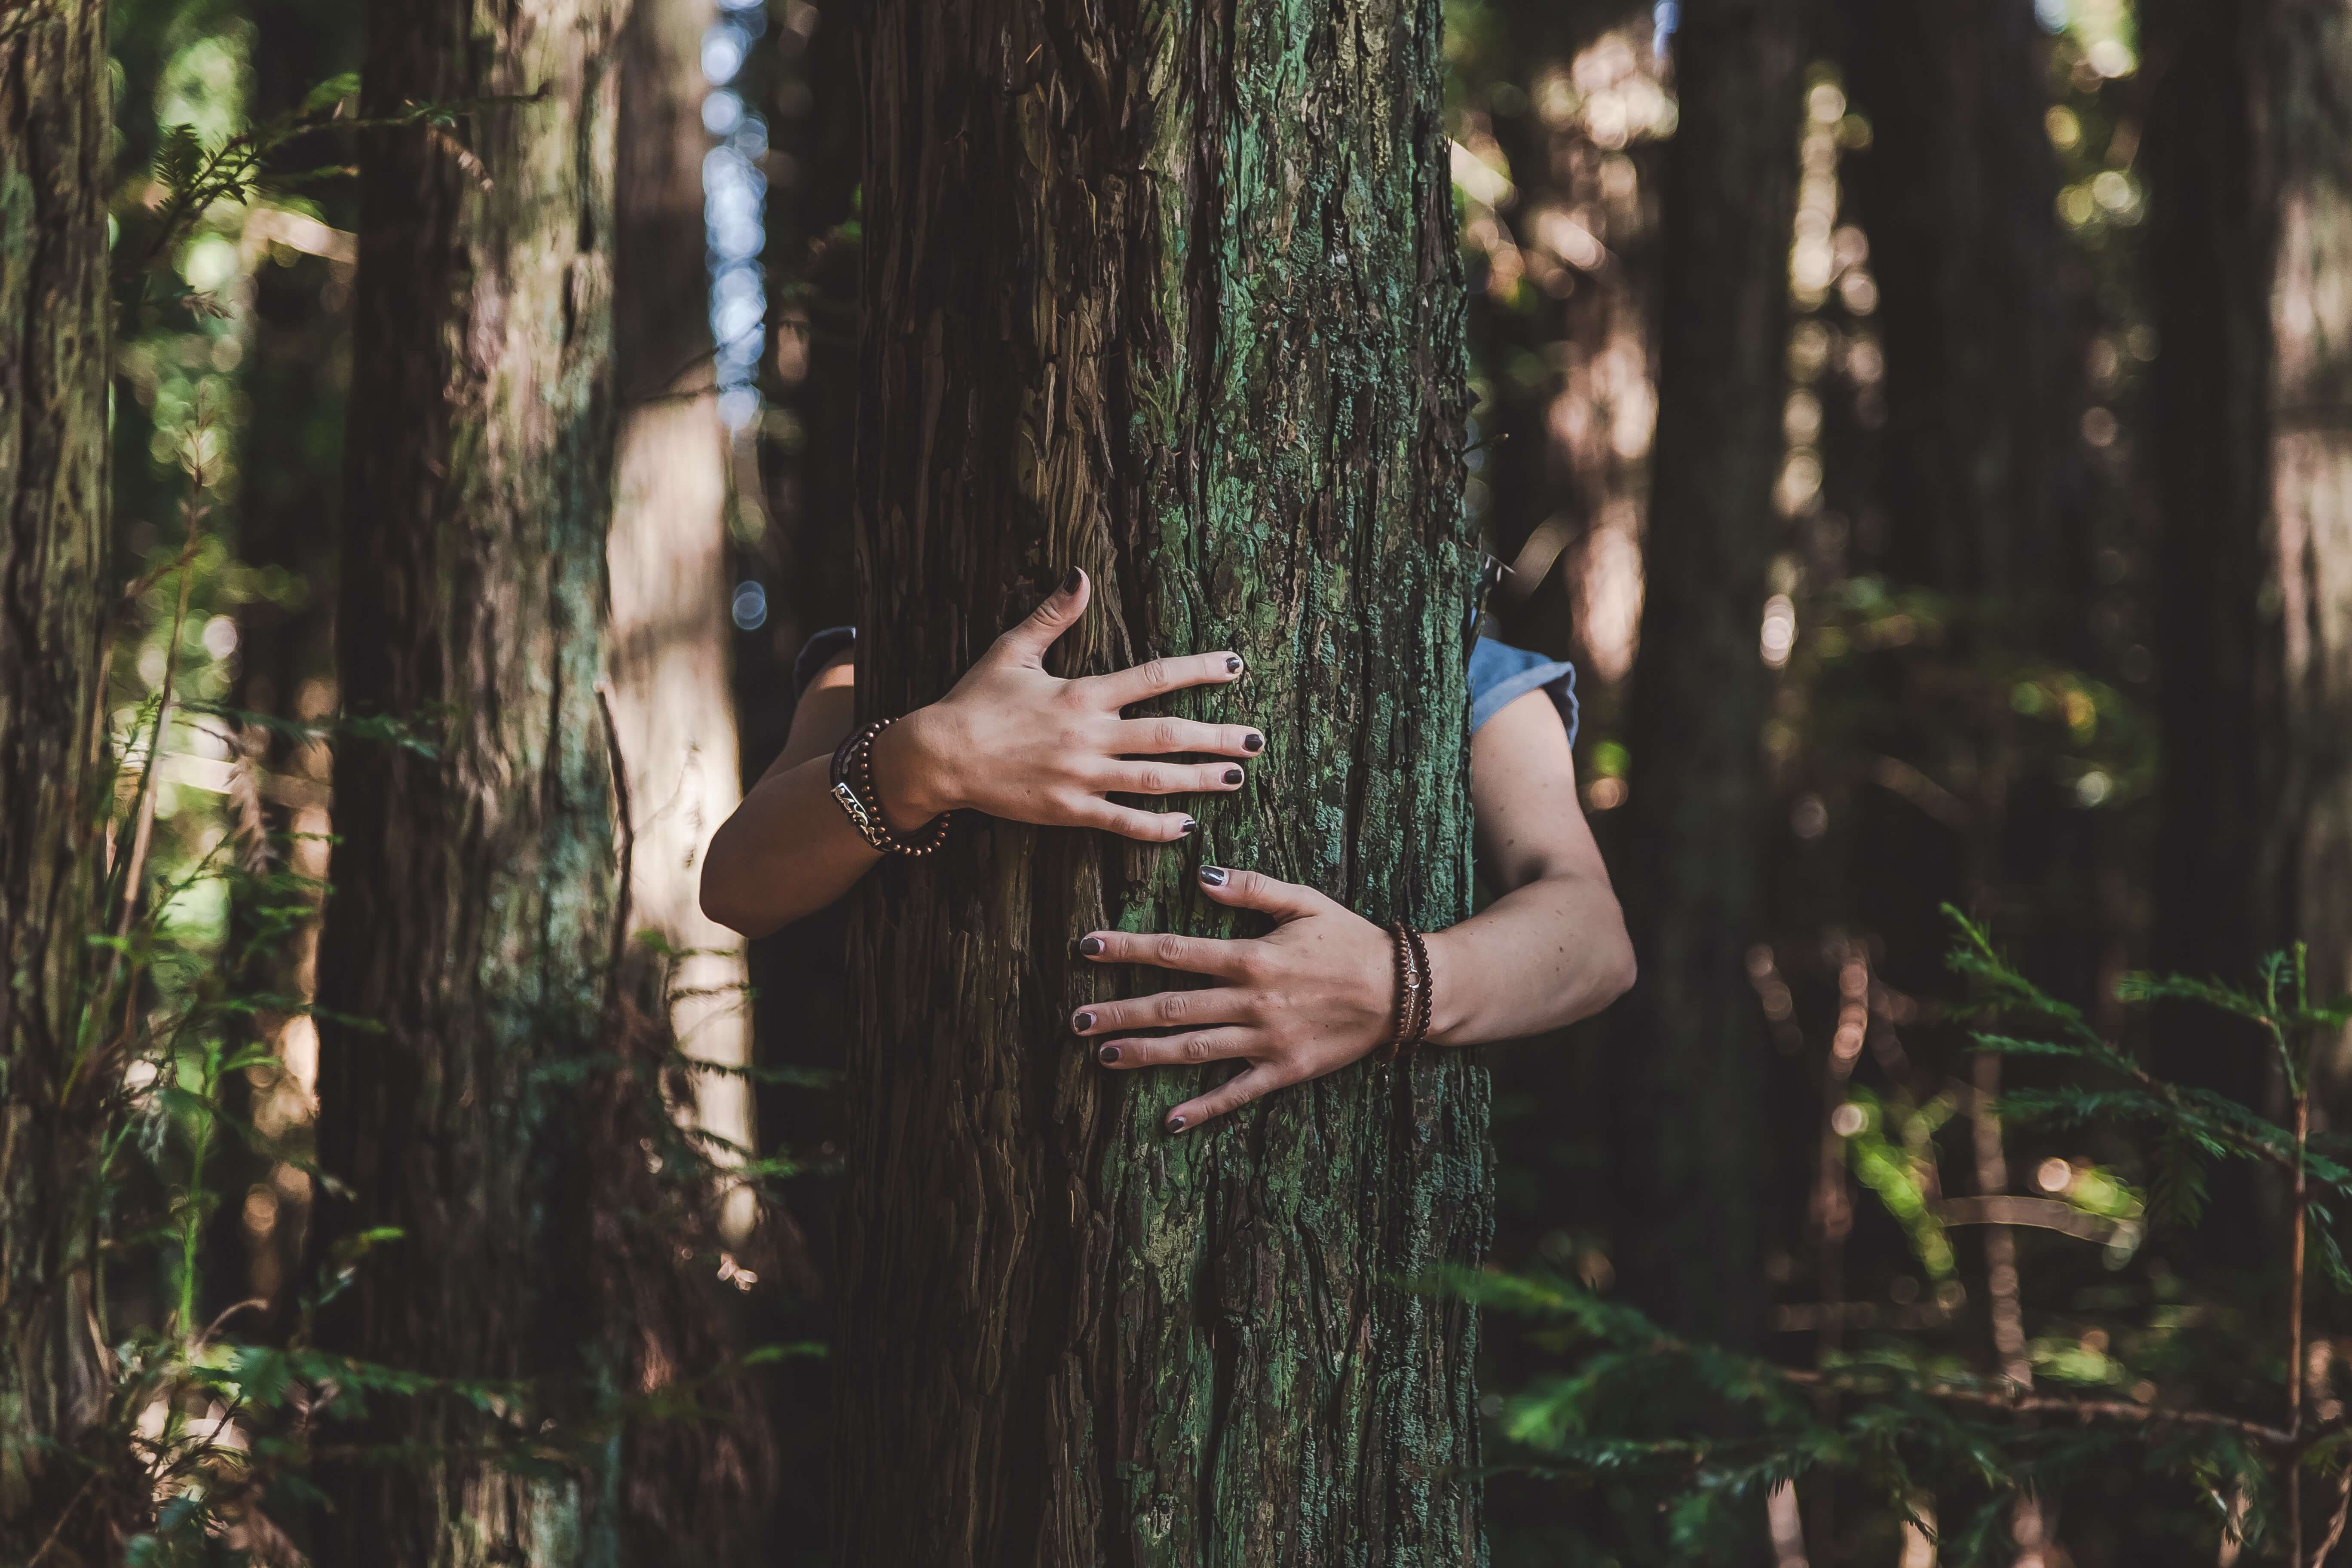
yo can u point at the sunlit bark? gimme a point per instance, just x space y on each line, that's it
54 308
2252 257
1173 298
2309 127
672 711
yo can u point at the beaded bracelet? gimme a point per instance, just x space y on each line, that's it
1413 993
853 786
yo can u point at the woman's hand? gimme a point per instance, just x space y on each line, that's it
1015 742
1312 995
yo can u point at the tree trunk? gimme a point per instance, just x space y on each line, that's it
1691 1042
54 335
2308 65
1958 191
2252 255
2210 248
295 377
672 709
807 560
502 1117
1179 303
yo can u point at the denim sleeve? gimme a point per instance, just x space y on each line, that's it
1499 674
819 651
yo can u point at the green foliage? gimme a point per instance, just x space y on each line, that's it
207 1434
1677 1443
191 177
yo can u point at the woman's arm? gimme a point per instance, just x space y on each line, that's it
1319 990
1010 739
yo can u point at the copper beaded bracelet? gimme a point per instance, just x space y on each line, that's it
853 786
1414 993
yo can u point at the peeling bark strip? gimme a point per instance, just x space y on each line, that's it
1170 294
476 900
53 376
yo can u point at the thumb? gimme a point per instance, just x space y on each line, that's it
1029 640
1256 890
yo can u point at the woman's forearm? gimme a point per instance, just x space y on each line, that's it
1540 957
788 851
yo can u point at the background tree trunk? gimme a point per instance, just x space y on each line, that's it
672 709
1958 191
287 506
1691 1042
2252 255
503 1117
1179 304
2309 70
2211 240
54 333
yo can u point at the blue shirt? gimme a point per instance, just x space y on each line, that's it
1499 675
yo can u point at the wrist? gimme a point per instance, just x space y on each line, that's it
913 779
1449 991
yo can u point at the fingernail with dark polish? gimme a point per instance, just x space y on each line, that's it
1233 775
1107 1054
1175 1124
1232 664
1252 741
1214 875
1092 947
1083 1022
1070 584
1191 827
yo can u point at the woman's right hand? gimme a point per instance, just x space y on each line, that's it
1015 742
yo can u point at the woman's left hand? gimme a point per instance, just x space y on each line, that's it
1308 998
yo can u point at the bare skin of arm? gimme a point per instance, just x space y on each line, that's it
1010 739
1319 990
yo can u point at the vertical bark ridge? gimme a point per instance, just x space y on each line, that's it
1171 296
54 337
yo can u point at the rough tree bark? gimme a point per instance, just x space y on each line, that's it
499 1116
54 336
1689 1042
1172 297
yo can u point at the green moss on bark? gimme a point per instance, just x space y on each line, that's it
1173 298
